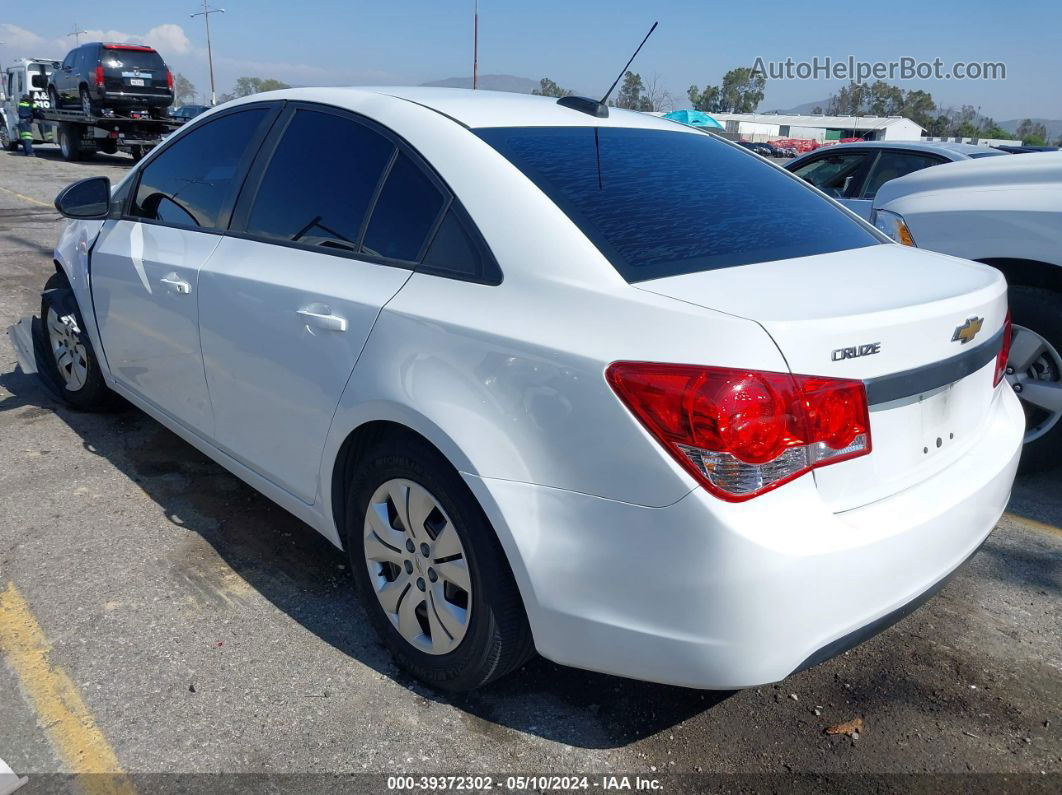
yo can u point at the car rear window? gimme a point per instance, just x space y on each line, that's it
120 58
660 203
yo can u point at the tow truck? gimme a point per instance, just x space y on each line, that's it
79 135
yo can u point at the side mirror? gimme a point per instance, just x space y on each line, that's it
86 200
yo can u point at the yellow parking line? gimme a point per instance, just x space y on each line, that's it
60 710
1032 524
25 198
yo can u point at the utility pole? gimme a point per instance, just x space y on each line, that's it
475 49
205 14
77 33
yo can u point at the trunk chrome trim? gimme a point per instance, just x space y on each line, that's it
895 386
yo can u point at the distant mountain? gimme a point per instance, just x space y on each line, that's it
802 110
1054 127
518 85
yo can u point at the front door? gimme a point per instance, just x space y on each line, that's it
145 266
287 303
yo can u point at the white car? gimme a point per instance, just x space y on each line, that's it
556 376
1005 212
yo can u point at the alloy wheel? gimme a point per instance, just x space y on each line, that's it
417 566
71 358
1034 371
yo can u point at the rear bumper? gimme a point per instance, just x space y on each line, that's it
131 99
718 595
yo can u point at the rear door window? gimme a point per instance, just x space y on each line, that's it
834 174
320 182
660 203
891 165
405 214
192 182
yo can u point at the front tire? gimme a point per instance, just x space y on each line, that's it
70 359
1034 371
430 570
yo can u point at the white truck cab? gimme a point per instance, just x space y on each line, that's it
24 76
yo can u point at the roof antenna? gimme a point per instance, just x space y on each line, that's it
600 108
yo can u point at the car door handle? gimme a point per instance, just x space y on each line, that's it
175 284
322 319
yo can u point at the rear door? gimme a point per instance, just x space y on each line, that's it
331 222
145 266
840 175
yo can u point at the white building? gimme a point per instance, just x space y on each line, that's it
768 126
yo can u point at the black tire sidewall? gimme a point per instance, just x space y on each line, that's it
95 394
1040 310
470 664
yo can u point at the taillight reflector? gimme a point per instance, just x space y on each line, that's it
741 433
1004 352
99 76
169 79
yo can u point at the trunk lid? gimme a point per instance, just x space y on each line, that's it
873 314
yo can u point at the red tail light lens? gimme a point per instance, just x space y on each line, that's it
741 433
169 79
99 76
1004 352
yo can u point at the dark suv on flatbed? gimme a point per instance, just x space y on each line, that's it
115 76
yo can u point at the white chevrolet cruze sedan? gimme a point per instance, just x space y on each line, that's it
556 377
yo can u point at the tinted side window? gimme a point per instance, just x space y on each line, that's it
891 165
829 173
455 251
191 182
405 213
320 181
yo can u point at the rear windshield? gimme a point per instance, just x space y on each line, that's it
127 59
659 203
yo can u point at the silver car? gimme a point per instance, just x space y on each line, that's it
852 173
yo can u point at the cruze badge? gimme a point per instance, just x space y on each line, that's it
856 351
968 330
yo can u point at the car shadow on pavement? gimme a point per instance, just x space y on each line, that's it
303 575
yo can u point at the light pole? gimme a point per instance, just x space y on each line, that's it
475 48
205 14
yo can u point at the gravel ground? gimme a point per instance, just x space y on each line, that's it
208 631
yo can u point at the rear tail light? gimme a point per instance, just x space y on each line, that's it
1004 352
99 76
741 433
169 79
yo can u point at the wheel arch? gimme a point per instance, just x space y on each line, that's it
363 437
1027 272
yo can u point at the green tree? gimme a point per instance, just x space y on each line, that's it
741 91
632 93
245 86
1032 133
183 90
547 88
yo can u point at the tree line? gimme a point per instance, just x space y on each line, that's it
184 91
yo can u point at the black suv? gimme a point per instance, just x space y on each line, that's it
115 76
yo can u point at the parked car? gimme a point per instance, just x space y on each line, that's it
187 112
766 150
1005 212
627 488
853 173
97 76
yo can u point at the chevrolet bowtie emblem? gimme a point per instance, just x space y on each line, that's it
968 330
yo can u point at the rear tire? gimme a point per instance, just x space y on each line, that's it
492 636
1038 311
70 359
69 144
88 106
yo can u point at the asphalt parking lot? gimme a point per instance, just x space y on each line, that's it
158 616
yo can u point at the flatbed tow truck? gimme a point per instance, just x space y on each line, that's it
79 134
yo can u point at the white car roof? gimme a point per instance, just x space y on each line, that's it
1042 169
476 108
949 149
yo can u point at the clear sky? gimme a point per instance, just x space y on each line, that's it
581 44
